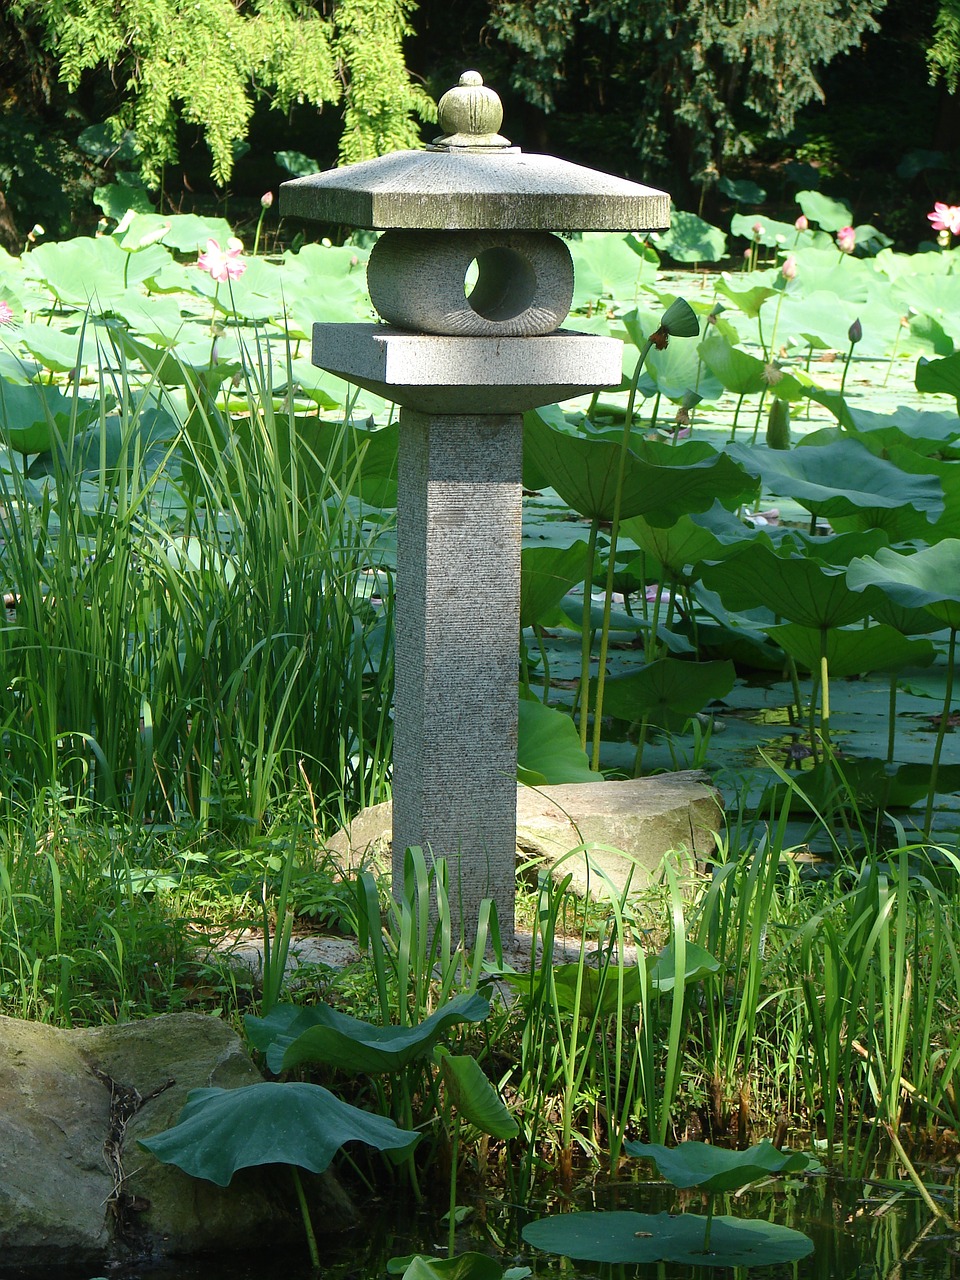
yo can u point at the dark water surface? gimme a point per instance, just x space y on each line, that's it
860 1232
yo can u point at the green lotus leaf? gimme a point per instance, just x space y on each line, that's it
934 296
690 239
620 1236
927 579
852 652
698 963
465 1266
605 266
841 478
583 470
799 588
710 1168
548 747
711 535
32 417
829 214
337 1040
740 372
750 291
546 575
89 272
189 232
819 318
940 376
59 350
223 1130
668 691
672 372
742 190
474 1097
925 431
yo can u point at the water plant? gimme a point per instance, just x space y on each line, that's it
627 1237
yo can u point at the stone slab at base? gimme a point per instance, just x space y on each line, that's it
628 827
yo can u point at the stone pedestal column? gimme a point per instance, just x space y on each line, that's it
457 652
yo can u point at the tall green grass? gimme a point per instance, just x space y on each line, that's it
198 625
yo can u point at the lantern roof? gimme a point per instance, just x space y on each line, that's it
470 179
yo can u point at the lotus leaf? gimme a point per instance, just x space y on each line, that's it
927 579
668 691
940 375
805 590
464 1266
625 1237
747 291
474 1097
831 215
548 747
852 652
337 1040
697 963
223 1130
584 471
605 266
740 372
841 478
91 271
673 372
546 575
710 535
690 239
33 418
710 1168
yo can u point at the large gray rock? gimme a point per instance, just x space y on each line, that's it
624 828
73 1182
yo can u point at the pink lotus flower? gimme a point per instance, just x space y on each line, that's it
654 592
6 312
945 217
846 239
801 223
762 519
789 268
223 265
758 229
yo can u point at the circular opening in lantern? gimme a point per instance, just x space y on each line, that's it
500 284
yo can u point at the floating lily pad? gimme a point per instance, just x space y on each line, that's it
623 1237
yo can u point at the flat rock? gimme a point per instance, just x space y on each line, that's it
622 829
73 1182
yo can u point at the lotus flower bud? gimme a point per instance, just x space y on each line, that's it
778 425
855 332
801 223
789 268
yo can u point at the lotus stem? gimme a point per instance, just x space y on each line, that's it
454 1157
941 732
612 554
305 1215
824 690
892 719
583 693
736 415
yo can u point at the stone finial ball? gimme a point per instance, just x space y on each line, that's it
470 108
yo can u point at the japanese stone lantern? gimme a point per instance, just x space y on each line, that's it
464 364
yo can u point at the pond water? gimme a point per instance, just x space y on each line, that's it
860 1231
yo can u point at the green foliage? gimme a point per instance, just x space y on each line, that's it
203 60
690 71
380 97
943 56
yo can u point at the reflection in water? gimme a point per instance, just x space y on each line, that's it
860 1232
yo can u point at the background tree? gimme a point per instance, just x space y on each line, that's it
206 61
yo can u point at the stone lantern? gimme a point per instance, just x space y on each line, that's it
464 365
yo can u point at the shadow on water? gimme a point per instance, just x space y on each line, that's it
860 1232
